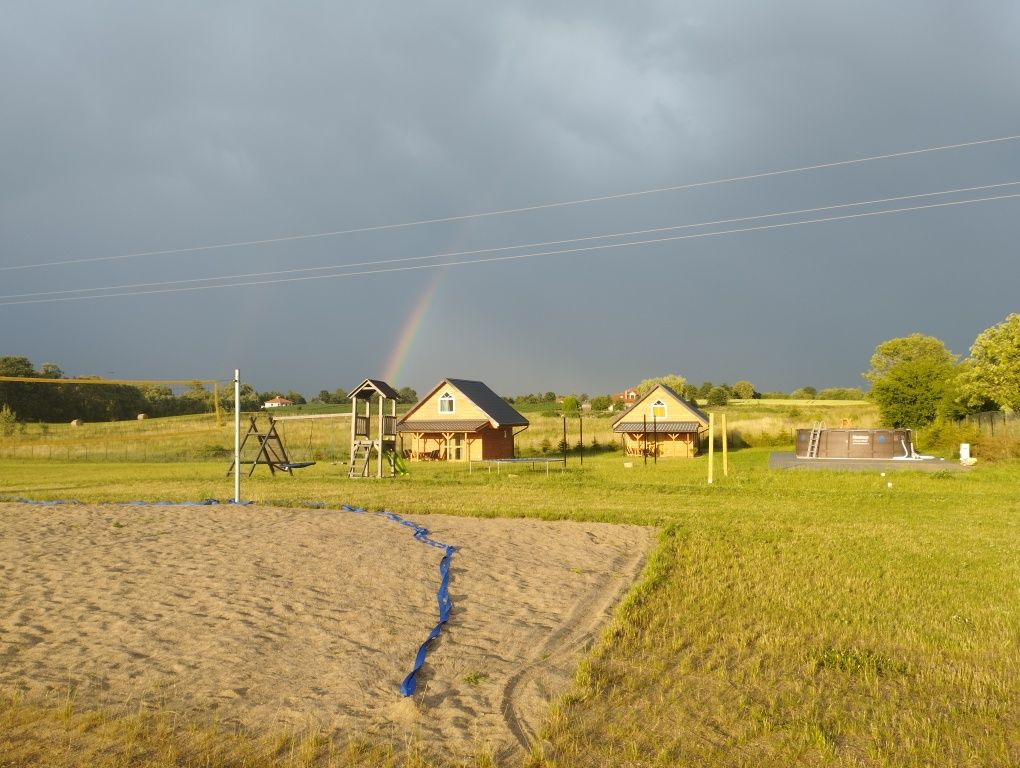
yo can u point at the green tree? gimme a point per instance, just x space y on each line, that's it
50 371
704 389
993 371
744 390
407 395
674 381
804 393
718 396
601 403
570 404
911 379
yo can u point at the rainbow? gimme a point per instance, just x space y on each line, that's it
410 330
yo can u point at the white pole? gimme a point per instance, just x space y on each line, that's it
237 436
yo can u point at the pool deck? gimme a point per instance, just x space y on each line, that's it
789 460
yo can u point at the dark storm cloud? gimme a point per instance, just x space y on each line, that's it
135 127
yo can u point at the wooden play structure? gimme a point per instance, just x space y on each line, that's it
270 450
380 439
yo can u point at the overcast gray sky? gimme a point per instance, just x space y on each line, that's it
132 127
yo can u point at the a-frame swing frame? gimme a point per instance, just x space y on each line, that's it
271 451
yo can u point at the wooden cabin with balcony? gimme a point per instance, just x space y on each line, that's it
460 420
661 424
368 439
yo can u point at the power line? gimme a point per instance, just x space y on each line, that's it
523 209
513 257
451 254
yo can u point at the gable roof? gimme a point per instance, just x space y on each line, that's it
368 387
499 411
698 414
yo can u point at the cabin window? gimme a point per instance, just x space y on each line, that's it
446 403
658 410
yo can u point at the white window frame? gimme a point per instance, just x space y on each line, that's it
655 405
446 397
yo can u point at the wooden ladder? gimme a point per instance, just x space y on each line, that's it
816 436
362 450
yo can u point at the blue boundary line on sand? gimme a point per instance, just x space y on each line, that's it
408 686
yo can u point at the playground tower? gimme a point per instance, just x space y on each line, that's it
384 440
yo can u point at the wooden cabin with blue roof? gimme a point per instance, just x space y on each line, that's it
661 423
460 420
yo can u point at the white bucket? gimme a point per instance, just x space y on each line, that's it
964 451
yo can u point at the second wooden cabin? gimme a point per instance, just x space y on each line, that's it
661 423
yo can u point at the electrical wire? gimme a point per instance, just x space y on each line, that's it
451 254
523 209
512 257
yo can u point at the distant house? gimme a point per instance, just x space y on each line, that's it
460 420
628 396
277 402
661 424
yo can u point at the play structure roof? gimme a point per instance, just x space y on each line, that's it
369 387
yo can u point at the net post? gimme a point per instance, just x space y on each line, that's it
237 436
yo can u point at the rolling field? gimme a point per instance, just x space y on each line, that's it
816 618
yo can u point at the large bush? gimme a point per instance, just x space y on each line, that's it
718 396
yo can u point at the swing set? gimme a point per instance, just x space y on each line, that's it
271 451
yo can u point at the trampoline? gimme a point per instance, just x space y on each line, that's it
532 460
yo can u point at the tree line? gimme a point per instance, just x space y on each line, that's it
57 402
110 402
915 381
713 394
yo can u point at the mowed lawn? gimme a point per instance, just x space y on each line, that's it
784 618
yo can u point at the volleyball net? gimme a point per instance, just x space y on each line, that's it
91 418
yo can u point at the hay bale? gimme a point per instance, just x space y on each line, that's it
143 416
76 422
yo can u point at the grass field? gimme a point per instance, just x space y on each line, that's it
194 438
815 618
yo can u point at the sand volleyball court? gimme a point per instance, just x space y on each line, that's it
267 618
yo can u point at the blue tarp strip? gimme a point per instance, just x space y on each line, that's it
408 686
202 503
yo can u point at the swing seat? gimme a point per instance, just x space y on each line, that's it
296 464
